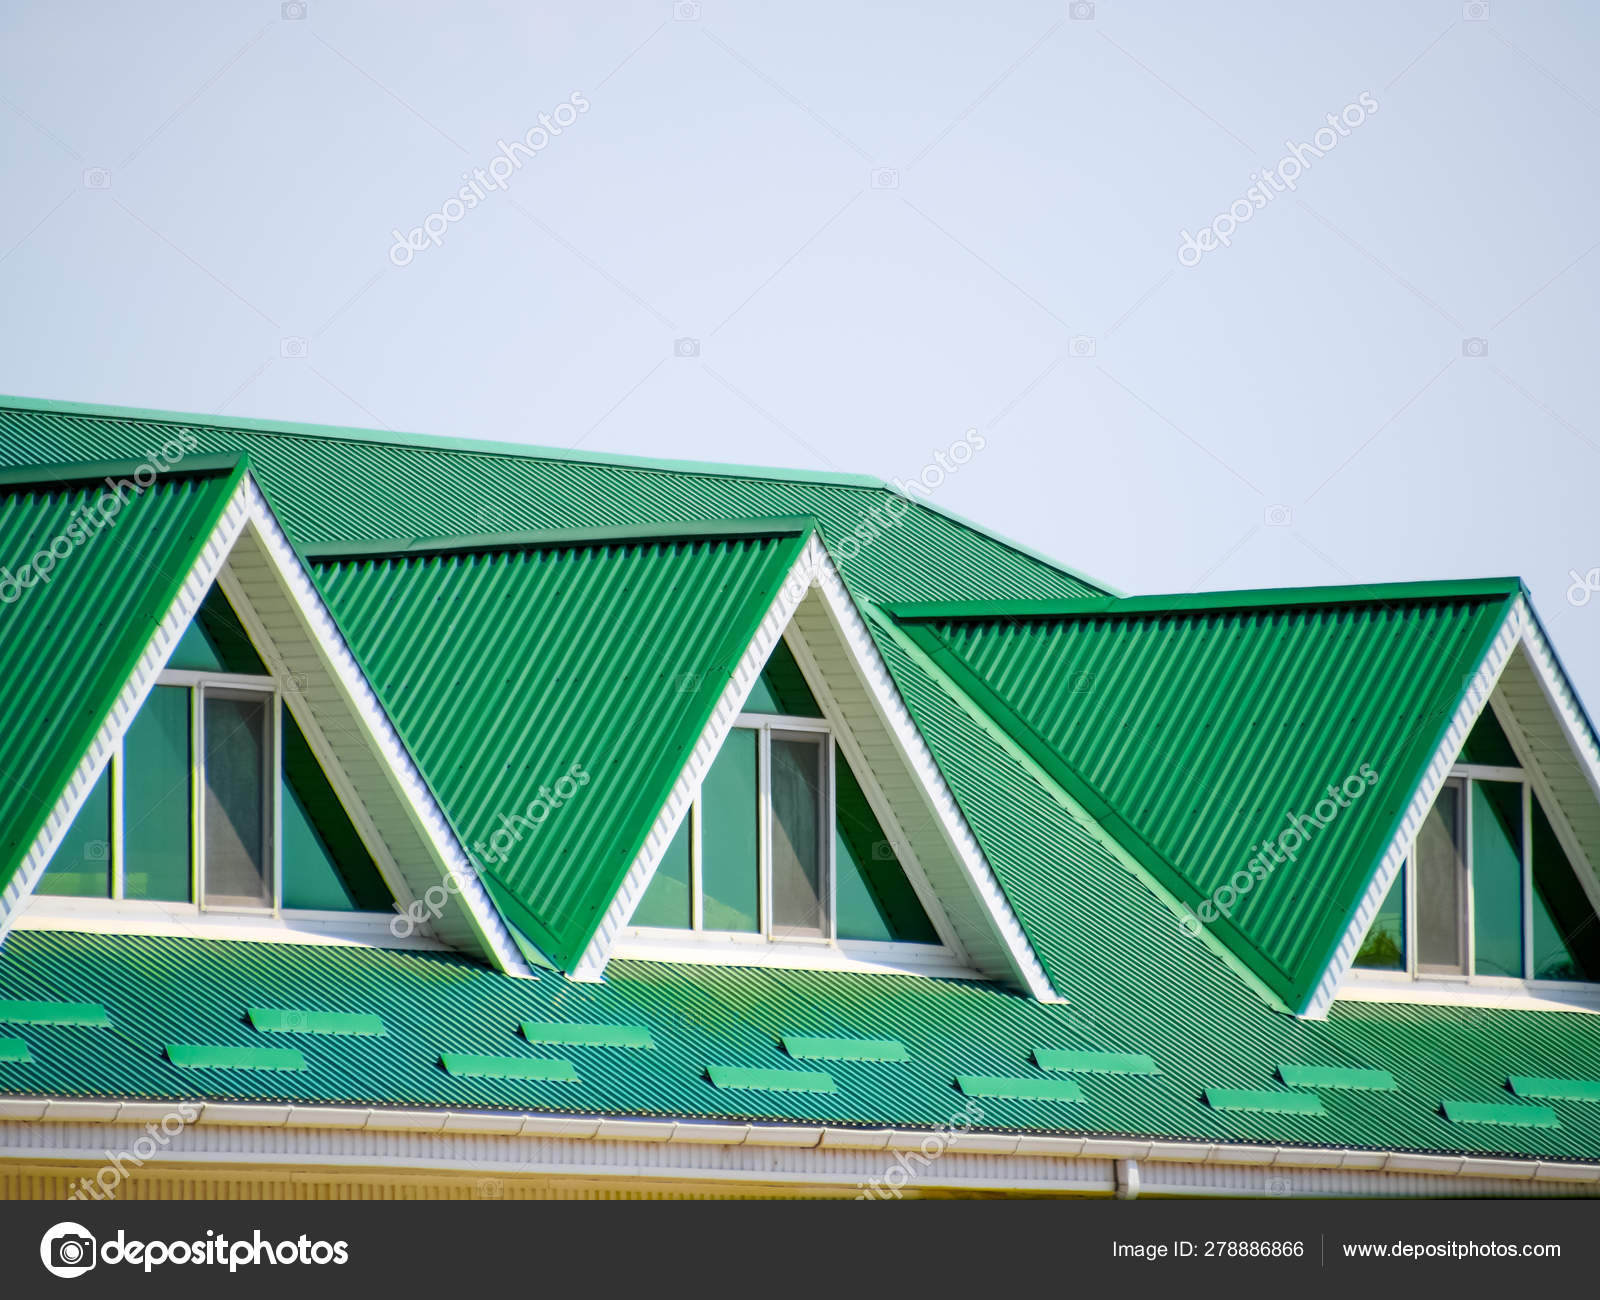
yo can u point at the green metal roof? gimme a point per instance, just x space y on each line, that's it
337 485
1198 732
625 646
172 990
69 644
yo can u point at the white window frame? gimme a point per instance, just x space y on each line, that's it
785 950
158 916
1444 985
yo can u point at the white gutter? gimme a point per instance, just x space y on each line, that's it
704 1133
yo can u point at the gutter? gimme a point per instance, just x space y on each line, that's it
1127 1152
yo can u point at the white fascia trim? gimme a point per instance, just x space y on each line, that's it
128 703
1026 968
1563 699
814 567
506 1141
1479 688
381 735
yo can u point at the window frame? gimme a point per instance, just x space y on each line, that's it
55 910
1412 978
788 949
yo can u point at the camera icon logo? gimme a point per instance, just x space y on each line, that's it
1475 11
1080 10
293 10
296 349
96 178
687 683
885 178
68 1250
686 11
97 851
1278 516
1081 346
1278 1187
884 850
1082 682
685 347
1474 347
489 1189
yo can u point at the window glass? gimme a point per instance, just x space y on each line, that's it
1497 878
1487 744
729 844
325 863
873 898
1440 938
667 902
1384 948
215 641
81 864
1566 932
797 843
156 801
237 728
782 688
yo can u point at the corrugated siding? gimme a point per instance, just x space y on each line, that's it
503 671
1205 733
332 489
160 990
67 646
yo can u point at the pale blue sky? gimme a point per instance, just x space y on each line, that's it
721 188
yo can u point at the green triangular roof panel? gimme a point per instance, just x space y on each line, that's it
92 558
629 641
1254 752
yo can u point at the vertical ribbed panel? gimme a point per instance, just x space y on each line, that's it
552 695
69 645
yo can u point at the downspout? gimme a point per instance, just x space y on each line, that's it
1127 1180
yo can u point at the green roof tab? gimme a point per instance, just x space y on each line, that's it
279 1020
729 1076
14 1051
577 1035
1478 1112
1525 1085
53 1013
1337 1076
1264 1099
202 1056
471 1065
994 1085
845 1049
1051 1058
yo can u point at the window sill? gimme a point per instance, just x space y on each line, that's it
326 929
789 954
1527 995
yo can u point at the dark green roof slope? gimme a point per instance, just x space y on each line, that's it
161 991
1195 729
68 643
337 485
551 692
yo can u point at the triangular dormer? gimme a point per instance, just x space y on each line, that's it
810 826
1492 894
222 766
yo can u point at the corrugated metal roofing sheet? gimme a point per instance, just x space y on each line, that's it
69 642
552 695
704 1015
336 485
1199 736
